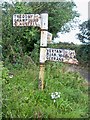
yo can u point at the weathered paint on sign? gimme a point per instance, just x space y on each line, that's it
26 20
49 37
62 55
42 55
43 42
44 21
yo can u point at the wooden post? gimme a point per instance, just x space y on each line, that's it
43 46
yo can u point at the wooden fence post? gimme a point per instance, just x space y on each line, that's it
43 46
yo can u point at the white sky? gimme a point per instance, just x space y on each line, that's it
82 7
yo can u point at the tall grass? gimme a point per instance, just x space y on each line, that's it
22 99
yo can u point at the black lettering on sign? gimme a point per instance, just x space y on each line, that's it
60 51
49 50
36 19
62 59
23 15
15 23
47 57
51 58
18 16
59 58
47 53
54 54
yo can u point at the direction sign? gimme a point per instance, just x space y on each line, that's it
26 20
62 55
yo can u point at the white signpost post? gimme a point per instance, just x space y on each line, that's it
42 22
43 46
62 55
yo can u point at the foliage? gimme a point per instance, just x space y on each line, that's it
17 41
84 34
65 45
1 65
35 53
83 55
59 13
22 99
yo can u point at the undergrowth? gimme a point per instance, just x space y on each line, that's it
23 99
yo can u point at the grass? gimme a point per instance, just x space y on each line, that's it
22 99
1 89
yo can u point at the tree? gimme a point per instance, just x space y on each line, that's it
84 50
84 34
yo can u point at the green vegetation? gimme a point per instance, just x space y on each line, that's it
22 99
84 34
1 89
20 94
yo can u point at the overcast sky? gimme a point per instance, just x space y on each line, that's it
82 8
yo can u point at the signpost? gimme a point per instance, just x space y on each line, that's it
26 20
43 46
42 22
61 55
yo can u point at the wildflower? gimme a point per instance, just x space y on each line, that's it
54 101
55 95
58 96
52 96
